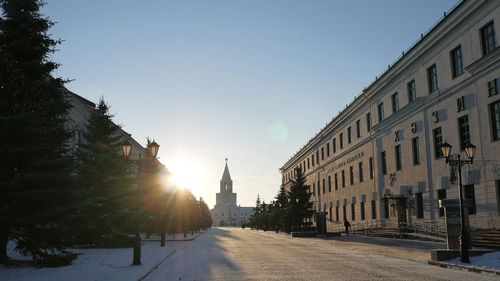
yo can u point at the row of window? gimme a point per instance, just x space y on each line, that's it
416 209
488 43
353 211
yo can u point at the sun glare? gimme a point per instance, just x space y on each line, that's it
186 173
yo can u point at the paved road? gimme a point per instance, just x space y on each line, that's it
236 254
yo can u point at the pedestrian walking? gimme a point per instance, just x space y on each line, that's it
346 225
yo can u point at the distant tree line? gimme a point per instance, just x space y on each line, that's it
290 211
51 195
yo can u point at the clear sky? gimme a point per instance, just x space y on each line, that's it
250 80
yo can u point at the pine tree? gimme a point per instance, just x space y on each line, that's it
300 207
103 179
255 217
283 221
36 167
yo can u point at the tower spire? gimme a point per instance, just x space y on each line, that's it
226 183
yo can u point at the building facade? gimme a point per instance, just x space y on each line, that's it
226 212
379 160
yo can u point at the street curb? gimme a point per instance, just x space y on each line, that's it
469 268
156 266
171 240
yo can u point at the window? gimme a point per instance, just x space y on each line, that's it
351 175
371 167
380 108
488 38
358 129
337 213
312 160
314 189
395 102
353 212
330 213
470 194
374 210
341 139
412 91
324 186
327 149
362 211
438 141
419 205
493 87
322 154
336 182
334 145
360 171
344 209
343 178
432 78
441 193
457 67
495 120
368 121
397 154
319 189
329 184
349 135
384 163
317 157
308 163
415 151
463 127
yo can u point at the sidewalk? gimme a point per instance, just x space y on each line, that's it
414 250
98 264
399 248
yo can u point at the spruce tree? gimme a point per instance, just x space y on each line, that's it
36 166
254 218
300 207
103 179
282 204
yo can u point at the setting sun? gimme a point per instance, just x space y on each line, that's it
186 172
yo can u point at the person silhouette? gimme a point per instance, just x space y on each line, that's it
346 225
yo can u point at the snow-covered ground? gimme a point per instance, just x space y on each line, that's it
93 264
487 261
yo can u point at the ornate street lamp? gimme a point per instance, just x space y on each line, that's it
153 150
470 150
126 147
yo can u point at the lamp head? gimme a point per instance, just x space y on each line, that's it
153 149
446 149
126 147
470 150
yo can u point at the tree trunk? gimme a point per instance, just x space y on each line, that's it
4 239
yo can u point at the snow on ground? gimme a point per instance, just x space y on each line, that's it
93 264
487 261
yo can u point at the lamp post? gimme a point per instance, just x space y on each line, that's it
153 150
470 151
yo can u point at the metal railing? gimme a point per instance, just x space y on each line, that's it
421 229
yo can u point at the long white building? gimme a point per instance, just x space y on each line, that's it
380 159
